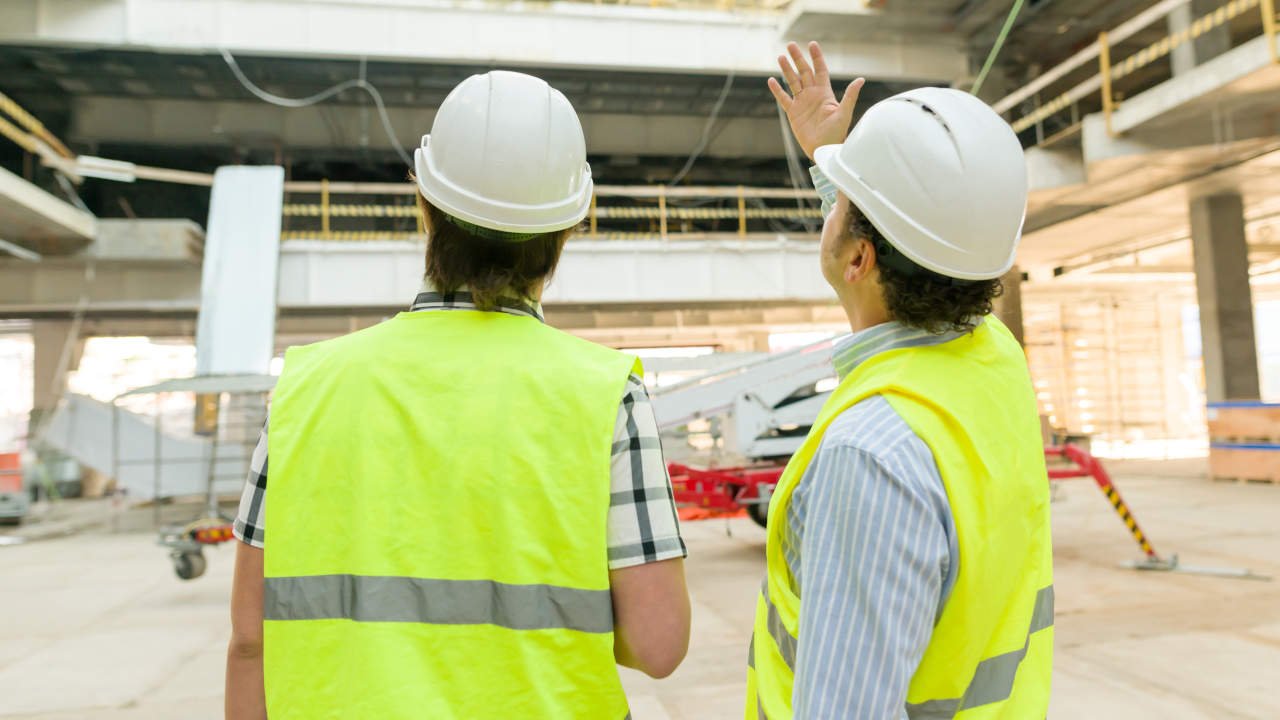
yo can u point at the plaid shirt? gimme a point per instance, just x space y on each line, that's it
642 523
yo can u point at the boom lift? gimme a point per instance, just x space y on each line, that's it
764 409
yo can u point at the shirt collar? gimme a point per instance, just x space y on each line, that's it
855 349
429 299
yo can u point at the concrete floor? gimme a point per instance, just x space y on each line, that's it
95 627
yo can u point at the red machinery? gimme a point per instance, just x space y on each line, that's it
186 545
723 491
730 490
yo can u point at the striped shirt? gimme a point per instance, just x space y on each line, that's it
872 545
642 523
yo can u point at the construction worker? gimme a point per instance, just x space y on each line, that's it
909 557
470 516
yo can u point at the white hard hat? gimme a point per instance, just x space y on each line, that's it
941 175
506 154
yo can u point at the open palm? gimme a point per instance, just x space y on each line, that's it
816 117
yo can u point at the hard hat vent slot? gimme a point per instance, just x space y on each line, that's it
930 111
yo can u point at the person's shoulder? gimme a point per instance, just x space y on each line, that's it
873 430
873 427
588 354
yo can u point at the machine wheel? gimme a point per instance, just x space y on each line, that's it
189 565
760 513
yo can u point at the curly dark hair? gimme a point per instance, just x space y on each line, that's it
920 298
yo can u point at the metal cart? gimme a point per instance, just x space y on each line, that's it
205 452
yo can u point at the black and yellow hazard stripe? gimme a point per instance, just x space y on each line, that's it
1127 517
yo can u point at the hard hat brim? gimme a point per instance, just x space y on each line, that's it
481 211
906 236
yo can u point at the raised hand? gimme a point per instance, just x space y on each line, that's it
816 117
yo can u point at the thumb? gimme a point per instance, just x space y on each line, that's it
851 94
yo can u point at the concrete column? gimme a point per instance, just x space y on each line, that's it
1207 46
757 342
1221 254
1008 307
51 338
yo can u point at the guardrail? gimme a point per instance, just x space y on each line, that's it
617 212
29 133
1110 70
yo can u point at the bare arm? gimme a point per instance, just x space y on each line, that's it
246 698
650 616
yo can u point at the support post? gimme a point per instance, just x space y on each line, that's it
1104 64
742 211
57 353
594 232
1269 27
662 211
1221 255
1008 307
324 208
1203 41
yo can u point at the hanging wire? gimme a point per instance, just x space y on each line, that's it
799 179
706 130
995 50
321 96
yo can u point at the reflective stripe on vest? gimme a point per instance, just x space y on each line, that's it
440 485
785 641
985 438
993 680
366 598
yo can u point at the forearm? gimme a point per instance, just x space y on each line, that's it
245 694
246 697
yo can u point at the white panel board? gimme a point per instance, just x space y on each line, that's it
236 329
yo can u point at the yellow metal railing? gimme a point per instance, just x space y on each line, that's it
27 132
1109 72
663 208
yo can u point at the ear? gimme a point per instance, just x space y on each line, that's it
861 261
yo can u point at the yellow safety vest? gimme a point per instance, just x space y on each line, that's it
439 493
991 653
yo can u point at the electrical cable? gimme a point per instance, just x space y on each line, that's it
794 169
70 191
321 96
995 50
705 140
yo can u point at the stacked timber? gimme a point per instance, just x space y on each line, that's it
1244 441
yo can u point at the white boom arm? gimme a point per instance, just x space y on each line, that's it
771 400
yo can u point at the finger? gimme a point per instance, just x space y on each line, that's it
789 74
784 100
802 66
851 94
820 71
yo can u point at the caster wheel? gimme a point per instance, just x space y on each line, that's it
189 565
759 513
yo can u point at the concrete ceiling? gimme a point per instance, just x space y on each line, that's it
1158 221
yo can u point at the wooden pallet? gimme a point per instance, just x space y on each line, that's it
1258 463
1245 481
1244 422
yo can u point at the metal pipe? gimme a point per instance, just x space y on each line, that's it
19 252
